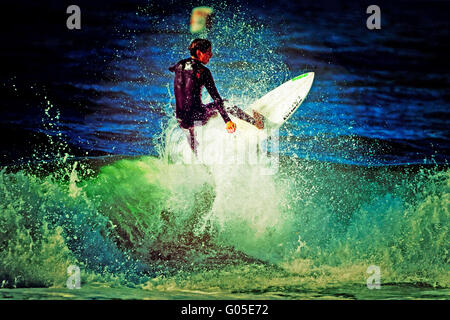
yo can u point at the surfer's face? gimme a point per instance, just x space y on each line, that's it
204 56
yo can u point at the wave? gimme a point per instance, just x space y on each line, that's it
142 218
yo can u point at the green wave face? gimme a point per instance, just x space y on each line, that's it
314 224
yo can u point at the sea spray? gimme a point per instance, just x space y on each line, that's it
360 216
317 223
148 201
315 241
47 223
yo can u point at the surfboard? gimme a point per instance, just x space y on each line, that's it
277 106
280 104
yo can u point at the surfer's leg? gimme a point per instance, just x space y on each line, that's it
190 134
194 143
237 112
256 120
210 111
259 119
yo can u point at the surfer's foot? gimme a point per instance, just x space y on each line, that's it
259 120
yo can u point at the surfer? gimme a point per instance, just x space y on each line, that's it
190 77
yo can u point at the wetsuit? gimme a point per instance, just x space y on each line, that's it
190 77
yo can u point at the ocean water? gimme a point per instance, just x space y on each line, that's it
363 175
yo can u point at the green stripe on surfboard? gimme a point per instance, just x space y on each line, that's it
300 76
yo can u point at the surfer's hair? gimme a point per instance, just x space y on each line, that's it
199 44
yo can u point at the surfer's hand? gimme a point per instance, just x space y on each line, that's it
231 126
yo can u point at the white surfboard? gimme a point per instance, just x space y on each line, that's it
280 104
217 146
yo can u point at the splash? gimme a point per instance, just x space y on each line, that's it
318 223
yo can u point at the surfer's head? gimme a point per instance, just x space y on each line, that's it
200 49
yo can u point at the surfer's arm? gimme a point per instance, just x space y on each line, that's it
212 90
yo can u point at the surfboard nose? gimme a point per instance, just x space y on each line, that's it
304 76
311 75
280 103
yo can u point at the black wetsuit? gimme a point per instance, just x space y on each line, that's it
190 77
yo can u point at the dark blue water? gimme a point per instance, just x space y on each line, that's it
379 97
